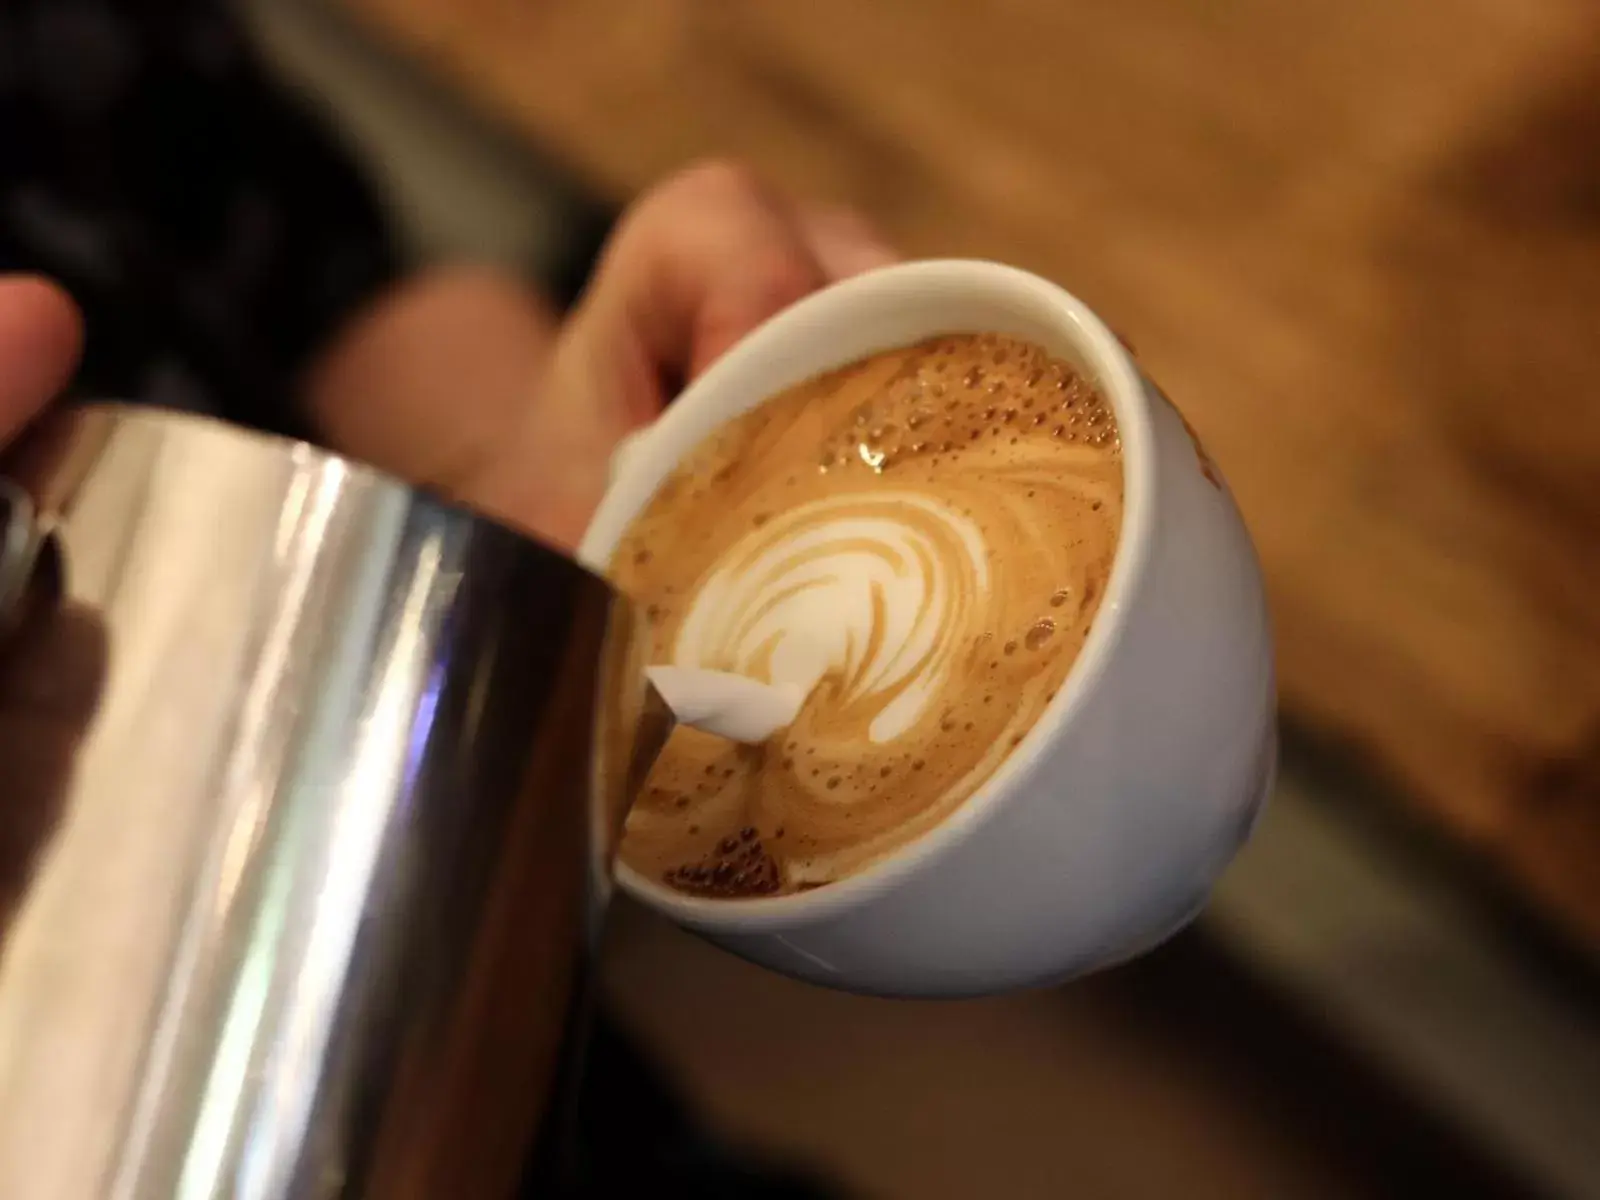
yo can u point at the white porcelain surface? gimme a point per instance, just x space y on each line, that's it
1104 831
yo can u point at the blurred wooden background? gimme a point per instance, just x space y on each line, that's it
1358 242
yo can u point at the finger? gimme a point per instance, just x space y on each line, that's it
40 338
843 241
697 263
434 376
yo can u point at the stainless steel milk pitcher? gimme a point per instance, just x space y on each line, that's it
309 785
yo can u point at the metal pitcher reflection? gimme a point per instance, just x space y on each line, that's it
311 784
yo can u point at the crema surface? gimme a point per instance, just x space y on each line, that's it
919 540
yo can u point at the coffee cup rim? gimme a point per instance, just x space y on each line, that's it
1113 369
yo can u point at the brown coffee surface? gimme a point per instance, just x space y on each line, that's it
921 539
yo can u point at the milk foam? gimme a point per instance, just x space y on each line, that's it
873 590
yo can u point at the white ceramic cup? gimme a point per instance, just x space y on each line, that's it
1103 831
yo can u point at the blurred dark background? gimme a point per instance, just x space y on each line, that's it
1360 244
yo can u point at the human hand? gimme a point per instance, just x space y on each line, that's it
49 677
694 265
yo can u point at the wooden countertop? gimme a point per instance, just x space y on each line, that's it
1360 244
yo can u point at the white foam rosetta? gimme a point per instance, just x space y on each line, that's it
735 707
873 590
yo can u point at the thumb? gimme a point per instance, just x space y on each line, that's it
694 265
698 262
40 338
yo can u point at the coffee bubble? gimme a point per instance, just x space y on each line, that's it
1037 636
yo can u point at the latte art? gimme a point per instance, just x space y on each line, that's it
917 542
871 590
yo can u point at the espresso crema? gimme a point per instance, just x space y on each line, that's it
919 540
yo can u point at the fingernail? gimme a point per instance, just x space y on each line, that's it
846 243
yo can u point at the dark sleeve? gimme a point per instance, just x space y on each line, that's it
212 228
